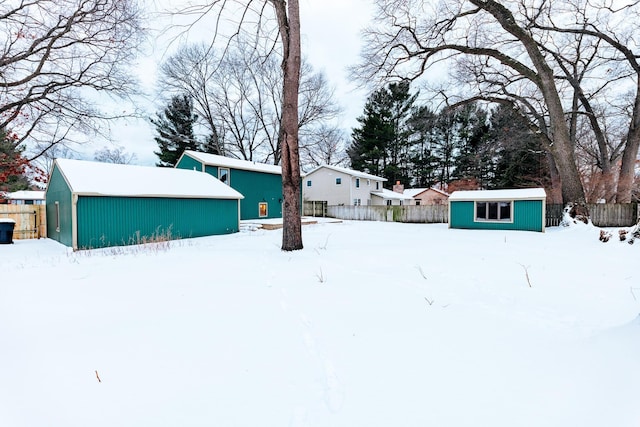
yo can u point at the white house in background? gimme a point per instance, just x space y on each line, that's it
26 198
341 186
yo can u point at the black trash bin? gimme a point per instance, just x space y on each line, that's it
6 230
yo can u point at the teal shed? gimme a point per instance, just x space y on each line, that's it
521 209
95 205
259 183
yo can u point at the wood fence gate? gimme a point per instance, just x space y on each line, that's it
30 220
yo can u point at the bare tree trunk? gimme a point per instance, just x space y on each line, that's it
562 148
630 154
556 184
288 14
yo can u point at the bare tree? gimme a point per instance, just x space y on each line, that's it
285 34
492 40
116 155
237 91
55 55
325 146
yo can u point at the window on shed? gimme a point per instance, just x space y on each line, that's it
58 217
223 175
263 209
493 211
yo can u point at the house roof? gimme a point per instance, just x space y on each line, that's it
228 162
390 195
108 179
413 192
351 172
516 194
26 195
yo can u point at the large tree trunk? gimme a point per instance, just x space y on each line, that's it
630 154
288 14
561 148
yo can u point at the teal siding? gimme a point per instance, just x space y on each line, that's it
115 221
527 215
211 170
257 187
190 163
58 191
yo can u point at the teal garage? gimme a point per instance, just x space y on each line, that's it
259 183
521 209
94 205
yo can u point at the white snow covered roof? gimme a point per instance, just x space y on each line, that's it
107 179
351 172
228 162
26 195
518 194
388 194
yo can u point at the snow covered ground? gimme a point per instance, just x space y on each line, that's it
372 324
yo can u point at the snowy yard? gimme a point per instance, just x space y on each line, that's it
372 324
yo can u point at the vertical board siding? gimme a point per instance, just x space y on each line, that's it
414 214
30 220
257 187
59 191
116 221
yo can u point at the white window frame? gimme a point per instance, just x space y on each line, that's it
357 202
228 181
498 220
266 209
57 217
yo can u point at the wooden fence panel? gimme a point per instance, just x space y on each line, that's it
602 214
30 220
415 214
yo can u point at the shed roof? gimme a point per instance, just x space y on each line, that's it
515 194
351 172
228 162
107 179
26 195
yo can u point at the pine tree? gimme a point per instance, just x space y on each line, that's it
380 146
174 128
13 166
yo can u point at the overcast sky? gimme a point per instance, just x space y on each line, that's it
330 41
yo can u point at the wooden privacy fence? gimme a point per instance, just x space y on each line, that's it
30 220
602 214
420 214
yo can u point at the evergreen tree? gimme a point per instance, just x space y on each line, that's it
472 158
520 158
174 128
422 160
380 146
13 166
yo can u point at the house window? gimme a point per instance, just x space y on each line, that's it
58 217
377 185
368 182
493 211
309 183
418 202
223 175
388 202
338 181
400 202
262 209
357 202
357 182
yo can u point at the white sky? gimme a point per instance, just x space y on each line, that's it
330 42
